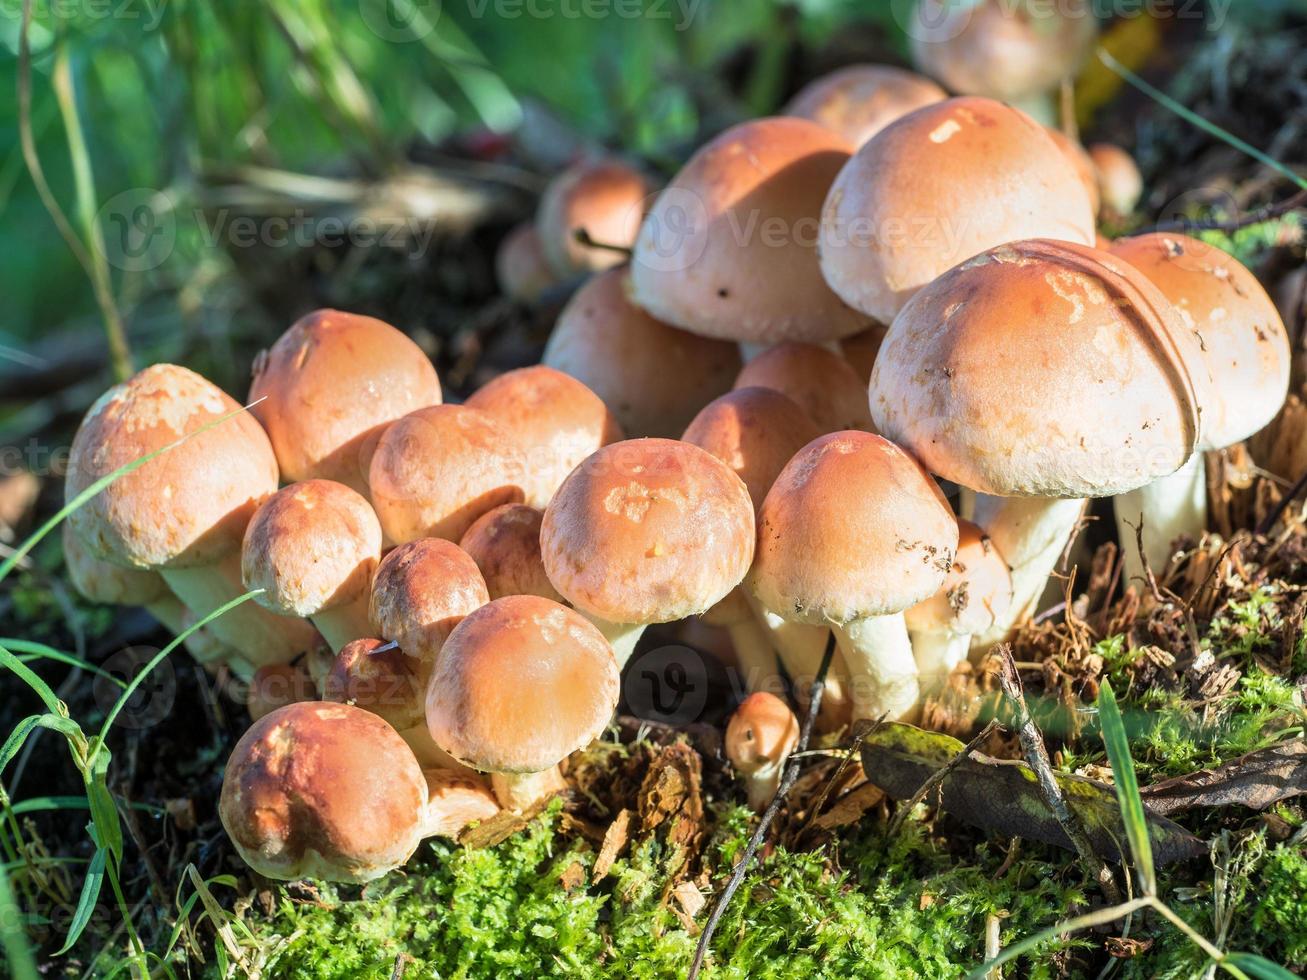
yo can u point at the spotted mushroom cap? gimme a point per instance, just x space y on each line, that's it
976 592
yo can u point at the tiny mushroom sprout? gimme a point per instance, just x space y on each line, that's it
603 198
653 377
647 531
521 684
505 544
328 791
312 548
1244 343
437 470
851 534
1037 374
520 267
859 101
819 381
759 739
330 385
184 512
1120 184
556 420
421 591
937 187
1016 52
976 592
729 249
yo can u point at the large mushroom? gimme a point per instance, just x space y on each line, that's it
1242 339
521 684
858 101
851 534
603 198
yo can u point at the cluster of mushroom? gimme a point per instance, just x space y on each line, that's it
823 313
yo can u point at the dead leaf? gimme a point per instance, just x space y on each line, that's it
573 877
1256 780
615 839
1125 949
850 808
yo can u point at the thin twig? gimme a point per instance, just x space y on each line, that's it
1293 493
583 236
1270 212
1032 744
755 842
938 776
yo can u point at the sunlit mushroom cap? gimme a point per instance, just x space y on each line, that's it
1080 159
317 790
102 581
330 385
1042 369
1120 183
818 380
852 527
186 507
938 187
976 591
1241 335
859 101
729 249
648 531
312 546
420 593
604 197
505 544
521 684
762 732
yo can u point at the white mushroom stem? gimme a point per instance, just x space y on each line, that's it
518 791
882 670
342 624
622 637
428 753
455 801
1031 533
1174 506
801 647
937 652
762 783
757 658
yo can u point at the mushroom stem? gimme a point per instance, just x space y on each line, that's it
937 652
757 658
878 654
761 784
518 791
1031 533
801 647
622 637
344 623
428 753
1174 506
454 802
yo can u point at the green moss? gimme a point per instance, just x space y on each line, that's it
1279 916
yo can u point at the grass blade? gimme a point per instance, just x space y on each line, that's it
29 651
18 953
1127 788
86 903
1257 966
18 736
104 816
1086 921
28 677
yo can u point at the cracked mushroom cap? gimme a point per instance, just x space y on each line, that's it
522 683
313 546
1241 335
762 732
653 377
187 507
520 267
976 591
420 593
754 431
818 380
606 198
1120 183
859 101
556 419
853 527
1003 50
317 790
729 249
505 544
329 387
648 531
440 468
938 187
1042 369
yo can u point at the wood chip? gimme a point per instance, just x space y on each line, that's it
614 843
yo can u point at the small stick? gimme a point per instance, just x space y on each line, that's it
1268 213
1037 756
938 777
787 783
1268 522
583 236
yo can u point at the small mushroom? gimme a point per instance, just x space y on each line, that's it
819 381
505 544
520 267
759 739
421 591
859 101
1080 159
1120 183
274 686
522 683
603 198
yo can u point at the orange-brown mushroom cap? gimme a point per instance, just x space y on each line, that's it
420 593
604 197
819 381
520 267
505 544
521 684
859 101
325 791
1120 183
330 385
648 531
976 591
377 677
762 732
101 581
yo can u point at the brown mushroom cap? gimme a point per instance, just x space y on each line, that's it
1241 336
754 431
556 420
729 249
859 101
383 681
420 592
1080 159
101 581
1120 183
606 198
274 686
648 531
762 732
1000 49
819 381
505 544
440 468
653 377
976 591
521 684
852 528
186 507
318 790
1042 369
312 546
938 187
520 267
330 385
